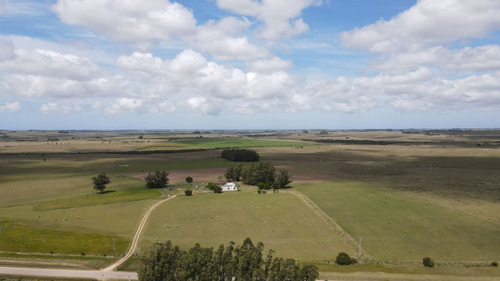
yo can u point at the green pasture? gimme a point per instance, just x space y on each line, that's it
99 199
213 143
112 219
397 227
39 240
280 220
27 178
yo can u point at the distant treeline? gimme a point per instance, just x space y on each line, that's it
240 155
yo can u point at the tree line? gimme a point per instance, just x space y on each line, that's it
167 262
262 174
240 155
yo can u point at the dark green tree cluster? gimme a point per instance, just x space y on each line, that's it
234 173
214 187
263 174
159 179
240 155
345 259
246 262
428 262
100 181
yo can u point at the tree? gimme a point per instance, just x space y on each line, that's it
240 155
189 179
428 262
188 192
345 259
100 181
215 187
233 173
283 179
261 172
245 262
157 180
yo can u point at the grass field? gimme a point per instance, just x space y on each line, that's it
417 195
212 143
280 220
39 240
395 227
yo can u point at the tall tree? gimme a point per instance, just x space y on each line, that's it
262 172
157 180
100 181
283 179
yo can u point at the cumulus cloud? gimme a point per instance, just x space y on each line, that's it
143 24
52 64
281 17
136 22
429 22
55 75
124 105
10 107
221 39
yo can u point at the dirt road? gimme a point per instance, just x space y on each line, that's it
107 273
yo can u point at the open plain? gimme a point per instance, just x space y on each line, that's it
389 198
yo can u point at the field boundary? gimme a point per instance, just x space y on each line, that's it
329 221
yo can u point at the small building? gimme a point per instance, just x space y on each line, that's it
229 186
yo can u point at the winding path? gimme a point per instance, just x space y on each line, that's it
136 236
108 273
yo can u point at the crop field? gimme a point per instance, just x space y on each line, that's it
406 195
280 220
398 227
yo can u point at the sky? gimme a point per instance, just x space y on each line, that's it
249 64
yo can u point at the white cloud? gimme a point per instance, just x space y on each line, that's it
144 24
6 50
222 40
429 22
482 58
10 107
51 107
124 105
136 22
204 105
281 17
51 74
271 65
51 64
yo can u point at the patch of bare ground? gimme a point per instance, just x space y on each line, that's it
198 175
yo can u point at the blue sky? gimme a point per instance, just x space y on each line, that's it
249 64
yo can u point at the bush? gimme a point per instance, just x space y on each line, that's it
428 262
189 179
188 192
494 263
344 259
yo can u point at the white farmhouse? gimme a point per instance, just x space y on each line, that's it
229 186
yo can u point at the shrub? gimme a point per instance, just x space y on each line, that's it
494 263
344 259
428 262
189 179
188 192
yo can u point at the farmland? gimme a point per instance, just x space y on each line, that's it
406 195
